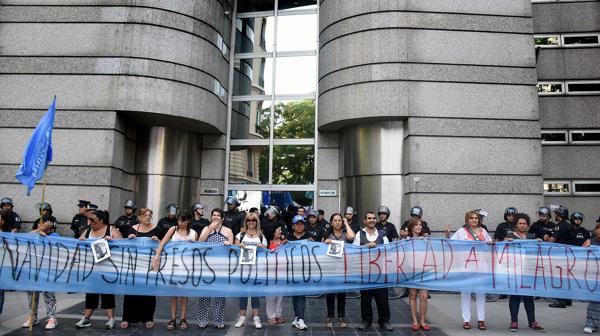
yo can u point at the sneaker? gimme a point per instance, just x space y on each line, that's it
257 323
27 323
110 324
83 323
536 326
300 324
51 324
514 327
329 322
588 330
343 323
240 322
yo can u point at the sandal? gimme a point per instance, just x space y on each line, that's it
202 325
171 325
219 326
272 321
124 325
149 324
183 324
425 327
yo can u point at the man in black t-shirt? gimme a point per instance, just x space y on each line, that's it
506 227
415 212
543 225
13 220
389 228
560 234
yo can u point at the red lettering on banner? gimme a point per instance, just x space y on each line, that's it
386 262
412 243
494 258
539 264
474 259
521 255
447 269
346 267
570 267
399 265
552 273
361 266
374 262
587 261
425 264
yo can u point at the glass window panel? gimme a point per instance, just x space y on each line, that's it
549 88
246 6
554 137
293 164
556 187
585 136
250 119
584 87
587 187
253 76
295 5
589 39
297 32
294 119
248 164
254 35
296 75
547 41
282 199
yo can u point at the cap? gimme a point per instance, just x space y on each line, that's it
482 213
230 200
297 219
7 200
172 209
130 204
349 210
83 203
92 206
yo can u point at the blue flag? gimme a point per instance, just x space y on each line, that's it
38 152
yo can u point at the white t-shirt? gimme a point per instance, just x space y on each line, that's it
251 240
192 236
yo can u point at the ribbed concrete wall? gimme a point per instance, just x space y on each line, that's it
462 75
115 66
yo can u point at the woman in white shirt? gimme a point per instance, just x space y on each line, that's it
181 232
474 232
251 234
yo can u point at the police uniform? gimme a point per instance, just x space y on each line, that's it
234 220
562 232
165 223
425 229
502 230
199 225
124 223
316 232
539 229
390 230
578 236
270 226
36 223
13 221
355 225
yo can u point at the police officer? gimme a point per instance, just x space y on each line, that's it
482 215
384 225
79 221
315 231
170 219
233 218
128 219
198 222
349 214
322 221
580 236
271 221
415 212
13 220
560 234
44 209
508 226
543 225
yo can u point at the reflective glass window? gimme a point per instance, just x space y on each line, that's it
549 41
550 88
250 119
248 164
294 119
556 187
293 164
297 32
254 35
282 199
560 136
296 75
253 76
582 39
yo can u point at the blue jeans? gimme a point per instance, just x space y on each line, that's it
254 302
299 303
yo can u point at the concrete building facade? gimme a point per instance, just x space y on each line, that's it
429 103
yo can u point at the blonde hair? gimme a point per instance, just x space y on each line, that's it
252 215
143 211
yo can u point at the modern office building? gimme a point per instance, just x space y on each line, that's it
363 103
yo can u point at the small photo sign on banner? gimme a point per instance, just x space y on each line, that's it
101 250
248 255
336 248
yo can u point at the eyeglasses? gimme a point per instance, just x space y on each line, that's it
251 221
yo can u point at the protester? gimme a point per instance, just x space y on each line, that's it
216 232
370 237
592 321
341 231
181 232
299 301
46 227
415 231
520 232
315 231
140 308
273 303
472 231
99 229
250 235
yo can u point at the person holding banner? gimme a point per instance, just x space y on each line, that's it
181 232
474 232
140 308
299 301
99 229
46 227
250 235
592 321
370 237
273 303
415 231
340 230
214 233
521 230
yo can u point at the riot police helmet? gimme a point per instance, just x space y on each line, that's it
7 200
416 211
172 209
230 200
130 204
383 209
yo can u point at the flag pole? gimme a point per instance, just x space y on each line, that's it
34 294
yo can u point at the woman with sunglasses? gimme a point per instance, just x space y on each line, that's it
251 235
181 232
99 229
140 308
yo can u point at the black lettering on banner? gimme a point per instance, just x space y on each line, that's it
39 260
60 246
587 266
214 275
131 266
151 254
110 261
316 261
87 259
75 259
187 270
287 268
451 253
294 281
235 262
258 258
162 263
196 251
303 249
242 267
